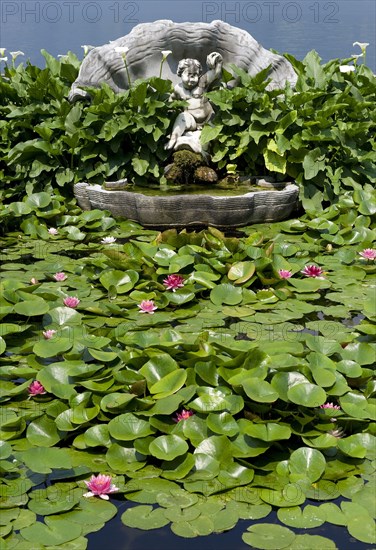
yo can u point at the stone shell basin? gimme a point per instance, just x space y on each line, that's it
191 210
195 40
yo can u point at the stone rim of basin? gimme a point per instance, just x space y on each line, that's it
182 210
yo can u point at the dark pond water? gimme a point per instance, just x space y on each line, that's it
295 26
116 536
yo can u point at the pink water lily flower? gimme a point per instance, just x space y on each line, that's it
173 282
34 281
53 231
284 273
183 415
71 301
48 334
100 486
36 388
60 276
147 306
313 271
368 254
330 406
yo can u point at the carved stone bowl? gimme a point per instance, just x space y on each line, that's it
183 210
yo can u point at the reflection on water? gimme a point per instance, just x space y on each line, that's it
295 27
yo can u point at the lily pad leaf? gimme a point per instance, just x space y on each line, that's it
307 394
241 272
42 432
268 536
122 280
362 528
59 533
201 526
309 517
260 390
307 461
127 427
30 308
313 542
168 447
169 384
144 517
226 294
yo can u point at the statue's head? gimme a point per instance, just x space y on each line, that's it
190 71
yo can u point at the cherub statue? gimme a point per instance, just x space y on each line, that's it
192 88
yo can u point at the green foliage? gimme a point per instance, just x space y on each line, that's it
321 134
252 355
51 144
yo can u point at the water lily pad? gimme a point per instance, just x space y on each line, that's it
53 347
268 432
42 460
313 542
308 461
307 394
43 432
124 458
176 515
268 536
309 517
60 316
52 533
29 308
168 447
362 528
144 517
123 281
333 513
226 294
357 445
127 427
240 272
201 526
222 423
178 468
259 390
169 384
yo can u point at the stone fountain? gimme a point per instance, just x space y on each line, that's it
191 47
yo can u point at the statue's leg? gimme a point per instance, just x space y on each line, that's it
183 123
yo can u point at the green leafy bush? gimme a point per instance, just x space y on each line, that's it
321 134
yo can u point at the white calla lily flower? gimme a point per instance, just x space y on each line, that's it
346 69
16 54
2 52
165 54
87 48
123 50
362 45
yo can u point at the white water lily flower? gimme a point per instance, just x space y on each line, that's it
108 240
346 68
87 48
16 54
165 54
122 50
